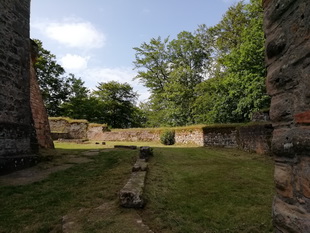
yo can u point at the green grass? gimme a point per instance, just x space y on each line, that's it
188 190
209 190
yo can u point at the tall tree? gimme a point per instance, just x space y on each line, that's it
171 70
54 86
118 104
240 77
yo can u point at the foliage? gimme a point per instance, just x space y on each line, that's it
54 86
214 75
167 137
117 104
171 70
237 88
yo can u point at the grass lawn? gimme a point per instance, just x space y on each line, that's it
189 189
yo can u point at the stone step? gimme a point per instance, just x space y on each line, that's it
131 196
140 165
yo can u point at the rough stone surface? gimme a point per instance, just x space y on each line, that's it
287 30
194 136
17 134
131 196
132 136
145 152
39 113
255 138
126 147
221 137
75 129
140 165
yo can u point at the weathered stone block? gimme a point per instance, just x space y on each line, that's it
302 118
282 107
290 218
145 152
140 165
125 147
283 176
131 196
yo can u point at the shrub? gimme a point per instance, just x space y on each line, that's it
167 137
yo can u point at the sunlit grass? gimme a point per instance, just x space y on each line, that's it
189 189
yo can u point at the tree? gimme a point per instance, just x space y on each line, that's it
118 104
239 88
171 71
77 105
54 87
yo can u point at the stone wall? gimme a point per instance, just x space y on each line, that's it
221 136
67 128
96 132
251 138
255 138
41 123
287 30
17 135
189 136
132 136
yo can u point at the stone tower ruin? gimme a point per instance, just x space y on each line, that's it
18 136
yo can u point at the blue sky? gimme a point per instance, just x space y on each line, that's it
94 39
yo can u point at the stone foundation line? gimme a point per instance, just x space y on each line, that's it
131 195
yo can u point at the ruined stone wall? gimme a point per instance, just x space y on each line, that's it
132 136
255 138
192 136
39 113
67 128
95 132
17 134
221 136
251 138
287 30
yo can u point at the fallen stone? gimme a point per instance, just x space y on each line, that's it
126 147
145 152
140 165
131 196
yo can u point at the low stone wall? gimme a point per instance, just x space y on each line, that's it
67 128
189 136
132 136
255 138
221 136
252 138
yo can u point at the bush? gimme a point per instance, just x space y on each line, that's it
167 137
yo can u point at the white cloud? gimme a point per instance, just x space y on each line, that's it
75 33
72 62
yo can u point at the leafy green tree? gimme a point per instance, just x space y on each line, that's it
118 104
54 86
77 105
237 88
171 70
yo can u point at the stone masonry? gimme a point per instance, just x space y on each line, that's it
287 29
17 134
41 123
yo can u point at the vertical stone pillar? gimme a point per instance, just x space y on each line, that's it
17 138
287 29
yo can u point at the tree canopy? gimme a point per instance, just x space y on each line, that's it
213 75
